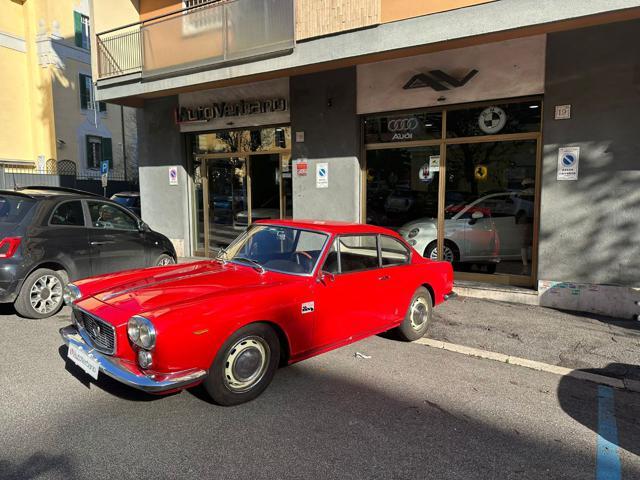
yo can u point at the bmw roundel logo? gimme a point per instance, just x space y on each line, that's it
568 159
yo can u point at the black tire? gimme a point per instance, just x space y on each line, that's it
164 259
23 304
447 244
219 384
410 329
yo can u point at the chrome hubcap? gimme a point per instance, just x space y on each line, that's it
447 254
246 364
165 261
46 294
419 313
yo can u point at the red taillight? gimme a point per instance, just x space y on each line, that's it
8 246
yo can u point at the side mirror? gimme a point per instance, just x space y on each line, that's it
143 227
326 277
475 216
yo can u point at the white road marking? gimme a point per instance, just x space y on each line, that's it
532 364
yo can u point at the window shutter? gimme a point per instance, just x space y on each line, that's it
84 95
107 152
89 154
77 26
102 106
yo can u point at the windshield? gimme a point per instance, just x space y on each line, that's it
13 208
281 249
125 201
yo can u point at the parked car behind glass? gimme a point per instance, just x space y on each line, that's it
129 200
53 235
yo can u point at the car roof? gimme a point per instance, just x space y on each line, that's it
328 226
47 191
126 194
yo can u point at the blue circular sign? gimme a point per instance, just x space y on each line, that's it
568 159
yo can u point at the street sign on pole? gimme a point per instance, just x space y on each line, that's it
104 175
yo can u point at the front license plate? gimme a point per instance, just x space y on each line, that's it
83 360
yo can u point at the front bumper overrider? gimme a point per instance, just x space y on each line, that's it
129 374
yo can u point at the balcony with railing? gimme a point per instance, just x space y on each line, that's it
205 35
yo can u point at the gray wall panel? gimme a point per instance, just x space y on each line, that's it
590 228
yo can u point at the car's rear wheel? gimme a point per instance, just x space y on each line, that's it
41 294
244 365
164 259
418 317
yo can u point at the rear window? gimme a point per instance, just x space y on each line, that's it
13 208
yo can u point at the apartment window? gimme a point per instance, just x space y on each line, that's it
98 149
82 30
87 101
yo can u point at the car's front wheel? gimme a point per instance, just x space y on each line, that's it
41 294
164 259
244 365
418 316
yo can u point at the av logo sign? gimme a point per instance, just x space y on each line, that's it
439 80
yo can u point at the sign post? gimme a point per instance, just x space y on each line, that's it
104 175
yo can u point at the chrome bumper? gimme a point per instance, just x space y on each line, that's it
123 373
450 295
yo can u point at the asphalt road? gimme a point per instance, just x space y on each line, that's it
409 411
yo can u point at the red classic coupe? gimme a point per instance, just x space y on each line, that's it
282 292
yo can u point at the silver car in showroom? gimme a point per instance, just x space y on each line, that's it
490 229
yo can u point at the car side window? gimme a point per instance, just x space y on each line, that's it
358 252
68 214
393 251
108 216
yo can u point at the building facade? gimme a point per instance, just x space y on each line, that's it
495 135
50 120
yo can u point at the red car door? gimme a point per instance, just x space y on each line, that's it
350 298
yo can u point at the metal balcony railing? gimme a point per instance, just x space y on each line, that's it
204 35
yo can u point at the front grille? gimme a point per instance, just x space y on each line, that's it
102 334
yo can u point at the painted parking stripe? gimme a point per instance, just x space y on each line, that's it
608 458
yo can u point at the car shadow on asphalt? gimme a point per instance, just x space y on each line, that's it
38 465
579 400
106 383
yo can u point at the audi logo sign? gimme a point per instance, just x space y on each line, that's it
402 124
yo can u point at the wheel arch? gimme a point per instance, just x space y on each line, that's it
51 265
431 291
285 348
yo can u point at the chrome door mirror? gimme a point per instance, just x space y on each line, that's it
326 277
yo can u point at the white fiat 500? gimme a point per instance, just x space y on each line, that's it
490 229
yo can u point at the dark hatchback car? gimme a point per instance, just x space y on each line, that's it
51 236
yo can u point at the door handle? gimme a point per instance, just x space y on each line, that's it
384 277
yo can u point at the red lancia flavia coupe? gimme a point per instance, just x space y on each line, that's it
282 292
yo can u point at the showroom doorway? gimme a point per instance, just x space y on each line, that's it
230 192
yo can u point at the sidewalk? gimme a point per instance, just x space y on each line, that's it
572 340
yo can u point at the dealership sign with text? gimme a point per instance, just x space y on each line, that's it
206 113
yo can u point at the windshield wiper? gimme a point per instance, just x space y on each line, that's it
255 264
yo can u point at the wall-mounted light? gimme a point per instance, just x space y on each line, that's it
60 142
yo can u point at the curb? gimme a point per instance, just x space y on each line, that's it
624 384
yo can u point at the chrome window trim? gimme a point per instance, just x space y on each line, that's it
88 339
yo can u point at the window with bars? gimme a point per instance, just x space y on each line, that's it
87 100
98 149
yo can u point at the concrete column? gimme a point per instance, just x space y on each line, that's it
323 106
164 207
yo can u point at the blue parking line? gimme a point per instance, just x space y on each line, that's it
607 459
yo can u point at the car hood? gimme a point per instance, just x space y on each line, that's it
423 223
163 288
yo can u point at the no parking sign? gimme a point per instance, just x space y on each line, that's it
568 160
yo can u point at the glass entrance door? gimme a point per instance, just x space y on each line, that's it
228 200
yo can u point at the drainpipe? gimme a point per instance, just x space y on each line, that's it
124 150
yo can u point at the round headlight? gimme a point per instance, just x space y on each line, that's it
141 332
145 359
413 232
70 294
